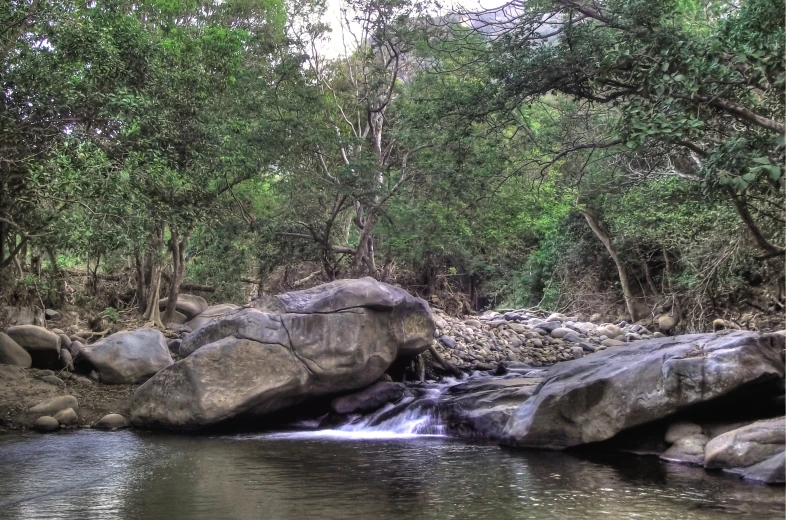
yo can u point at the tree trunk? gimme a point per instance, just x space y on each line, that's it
648 275
603 236
770 250
153 314
140 283
176 247
153 271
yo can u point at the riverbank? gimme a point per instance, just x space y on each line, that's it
338 355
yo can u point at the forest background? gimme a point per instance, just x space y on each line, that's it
618 157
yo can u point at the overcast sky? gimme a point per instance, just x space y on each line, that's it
334 47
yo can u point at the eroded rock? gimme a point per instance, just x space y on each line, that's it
322 341
594 398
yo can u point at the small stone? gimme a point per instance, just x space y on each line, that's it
472 323
612 343
95 376
82 380
46 423
572 337
53 380
67 417
51 314
577 352
560 332
111 421
448 341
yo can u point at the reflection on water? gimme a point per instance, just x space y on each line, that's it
132 475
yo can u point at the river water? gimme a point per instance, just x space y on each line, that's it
348 474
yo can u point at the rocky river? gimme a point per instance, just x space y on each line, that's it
355 398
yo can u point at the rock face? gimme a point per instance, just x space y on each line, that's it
747 446
42 345
12 354
128 357
330 339
594 398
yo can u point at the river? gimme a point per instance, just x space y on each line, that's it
349 474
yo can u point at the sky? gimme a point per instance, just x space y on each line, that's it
335 48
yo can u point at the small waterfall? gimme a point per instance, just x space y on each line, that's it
417 415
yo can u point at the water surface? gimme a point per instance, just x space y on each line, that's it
336 475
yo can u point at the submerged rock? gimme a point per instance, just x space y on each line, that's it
594 398
330 339
127 357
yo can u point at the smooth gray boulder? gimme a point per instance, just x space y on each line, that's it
67 417
42 345
189 305
208 314
127 357
11 353
322 341
369 399
594 398
111 421
46 424
746 446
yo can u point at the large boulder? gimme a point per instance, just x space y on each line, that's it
746 446
42 345
208 314
188 305
594 398
24 316
12 354
127 357
322 341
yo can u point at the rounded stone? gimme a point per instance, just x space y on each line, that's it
111 421
67 417
46 423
